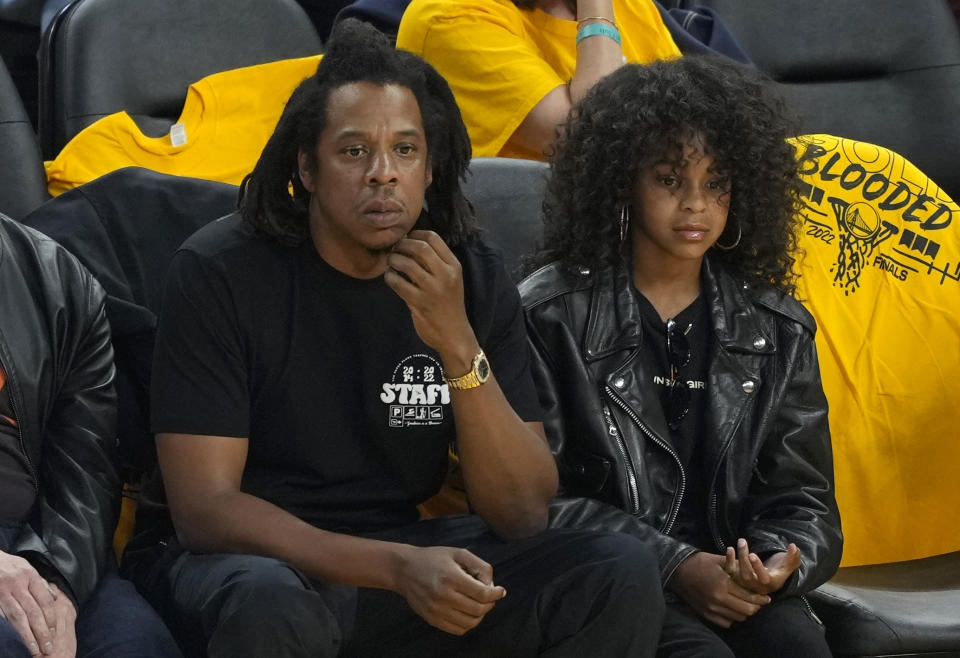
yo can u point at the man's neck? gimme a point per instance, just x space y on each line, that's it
367 264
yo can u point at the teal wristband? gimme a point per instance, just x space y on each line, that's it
598 30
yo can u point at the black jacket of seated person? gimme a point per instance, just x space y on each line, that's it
124 227
766 444
58 364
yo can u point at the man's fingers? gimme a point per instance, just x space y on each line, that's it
436 242
400 285
46 599
421 254
470 607
408 267
479 591
448 626
39 625
476 567
17 617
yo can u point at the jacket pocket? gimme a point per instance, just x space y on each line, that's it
588 474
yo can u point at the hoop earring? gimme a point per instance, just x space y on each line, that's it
624 221
735 242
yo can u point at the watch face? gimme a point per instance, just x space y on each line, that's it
483 369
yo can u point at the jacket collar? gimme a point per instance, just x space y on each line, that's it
736 323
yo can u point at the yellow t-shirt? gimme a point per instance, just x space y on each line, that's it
227 119
880 272
501 61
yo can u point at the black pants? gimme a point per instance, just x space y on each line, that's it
782 629
569 593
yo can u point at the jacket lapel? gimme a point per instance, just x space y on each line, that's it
743 344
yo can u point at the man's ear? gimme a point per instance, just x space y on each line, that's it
305 171
428 174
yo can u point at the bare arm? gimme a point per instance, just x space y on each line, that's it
450 588
596 57
508 469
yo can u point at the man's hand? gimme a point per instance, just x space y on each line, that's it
28 603
65 638
451 588
703 583
750 572
427 276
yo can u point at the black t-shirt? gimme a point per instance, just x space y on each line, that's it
346 410
17 492
691 524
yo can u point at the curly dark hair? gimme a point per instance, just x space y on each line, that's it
273 200
640 115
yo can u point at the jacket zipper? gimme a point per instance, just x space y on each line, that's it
627 462
668 526
718 540
816 618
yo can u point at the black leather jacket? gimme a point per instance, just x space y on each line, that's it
769 448
55 350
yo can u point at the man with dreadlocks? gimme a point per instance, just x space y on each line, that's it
317 353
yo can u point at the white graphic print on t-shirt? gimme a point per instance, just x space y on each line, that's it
416 393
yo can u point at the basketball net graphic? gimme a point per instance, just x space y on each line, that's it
861 230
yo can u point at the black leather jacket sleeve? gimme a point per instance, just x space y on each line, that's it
791 496
71 526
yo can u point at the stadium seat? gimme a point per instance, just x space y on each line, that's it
23 185
909 608
880 71
98 57
507 195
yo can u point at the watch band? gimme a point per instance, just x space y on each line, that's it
478 374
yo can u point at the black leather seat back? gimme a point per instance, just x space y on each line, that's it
102 56
507 195
23 183
880 71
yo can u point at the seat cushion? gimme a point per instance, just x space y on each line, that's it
903 608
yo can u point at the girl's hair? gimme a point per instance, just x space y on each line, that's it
640 115
274 202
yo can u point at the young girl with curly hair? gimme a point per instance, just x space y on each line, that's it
678 374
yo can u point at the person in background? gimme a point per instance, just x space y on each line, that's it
59 489
516 67
677 371
316 355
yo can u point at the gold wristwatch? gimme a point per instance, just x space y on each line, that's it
479 373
